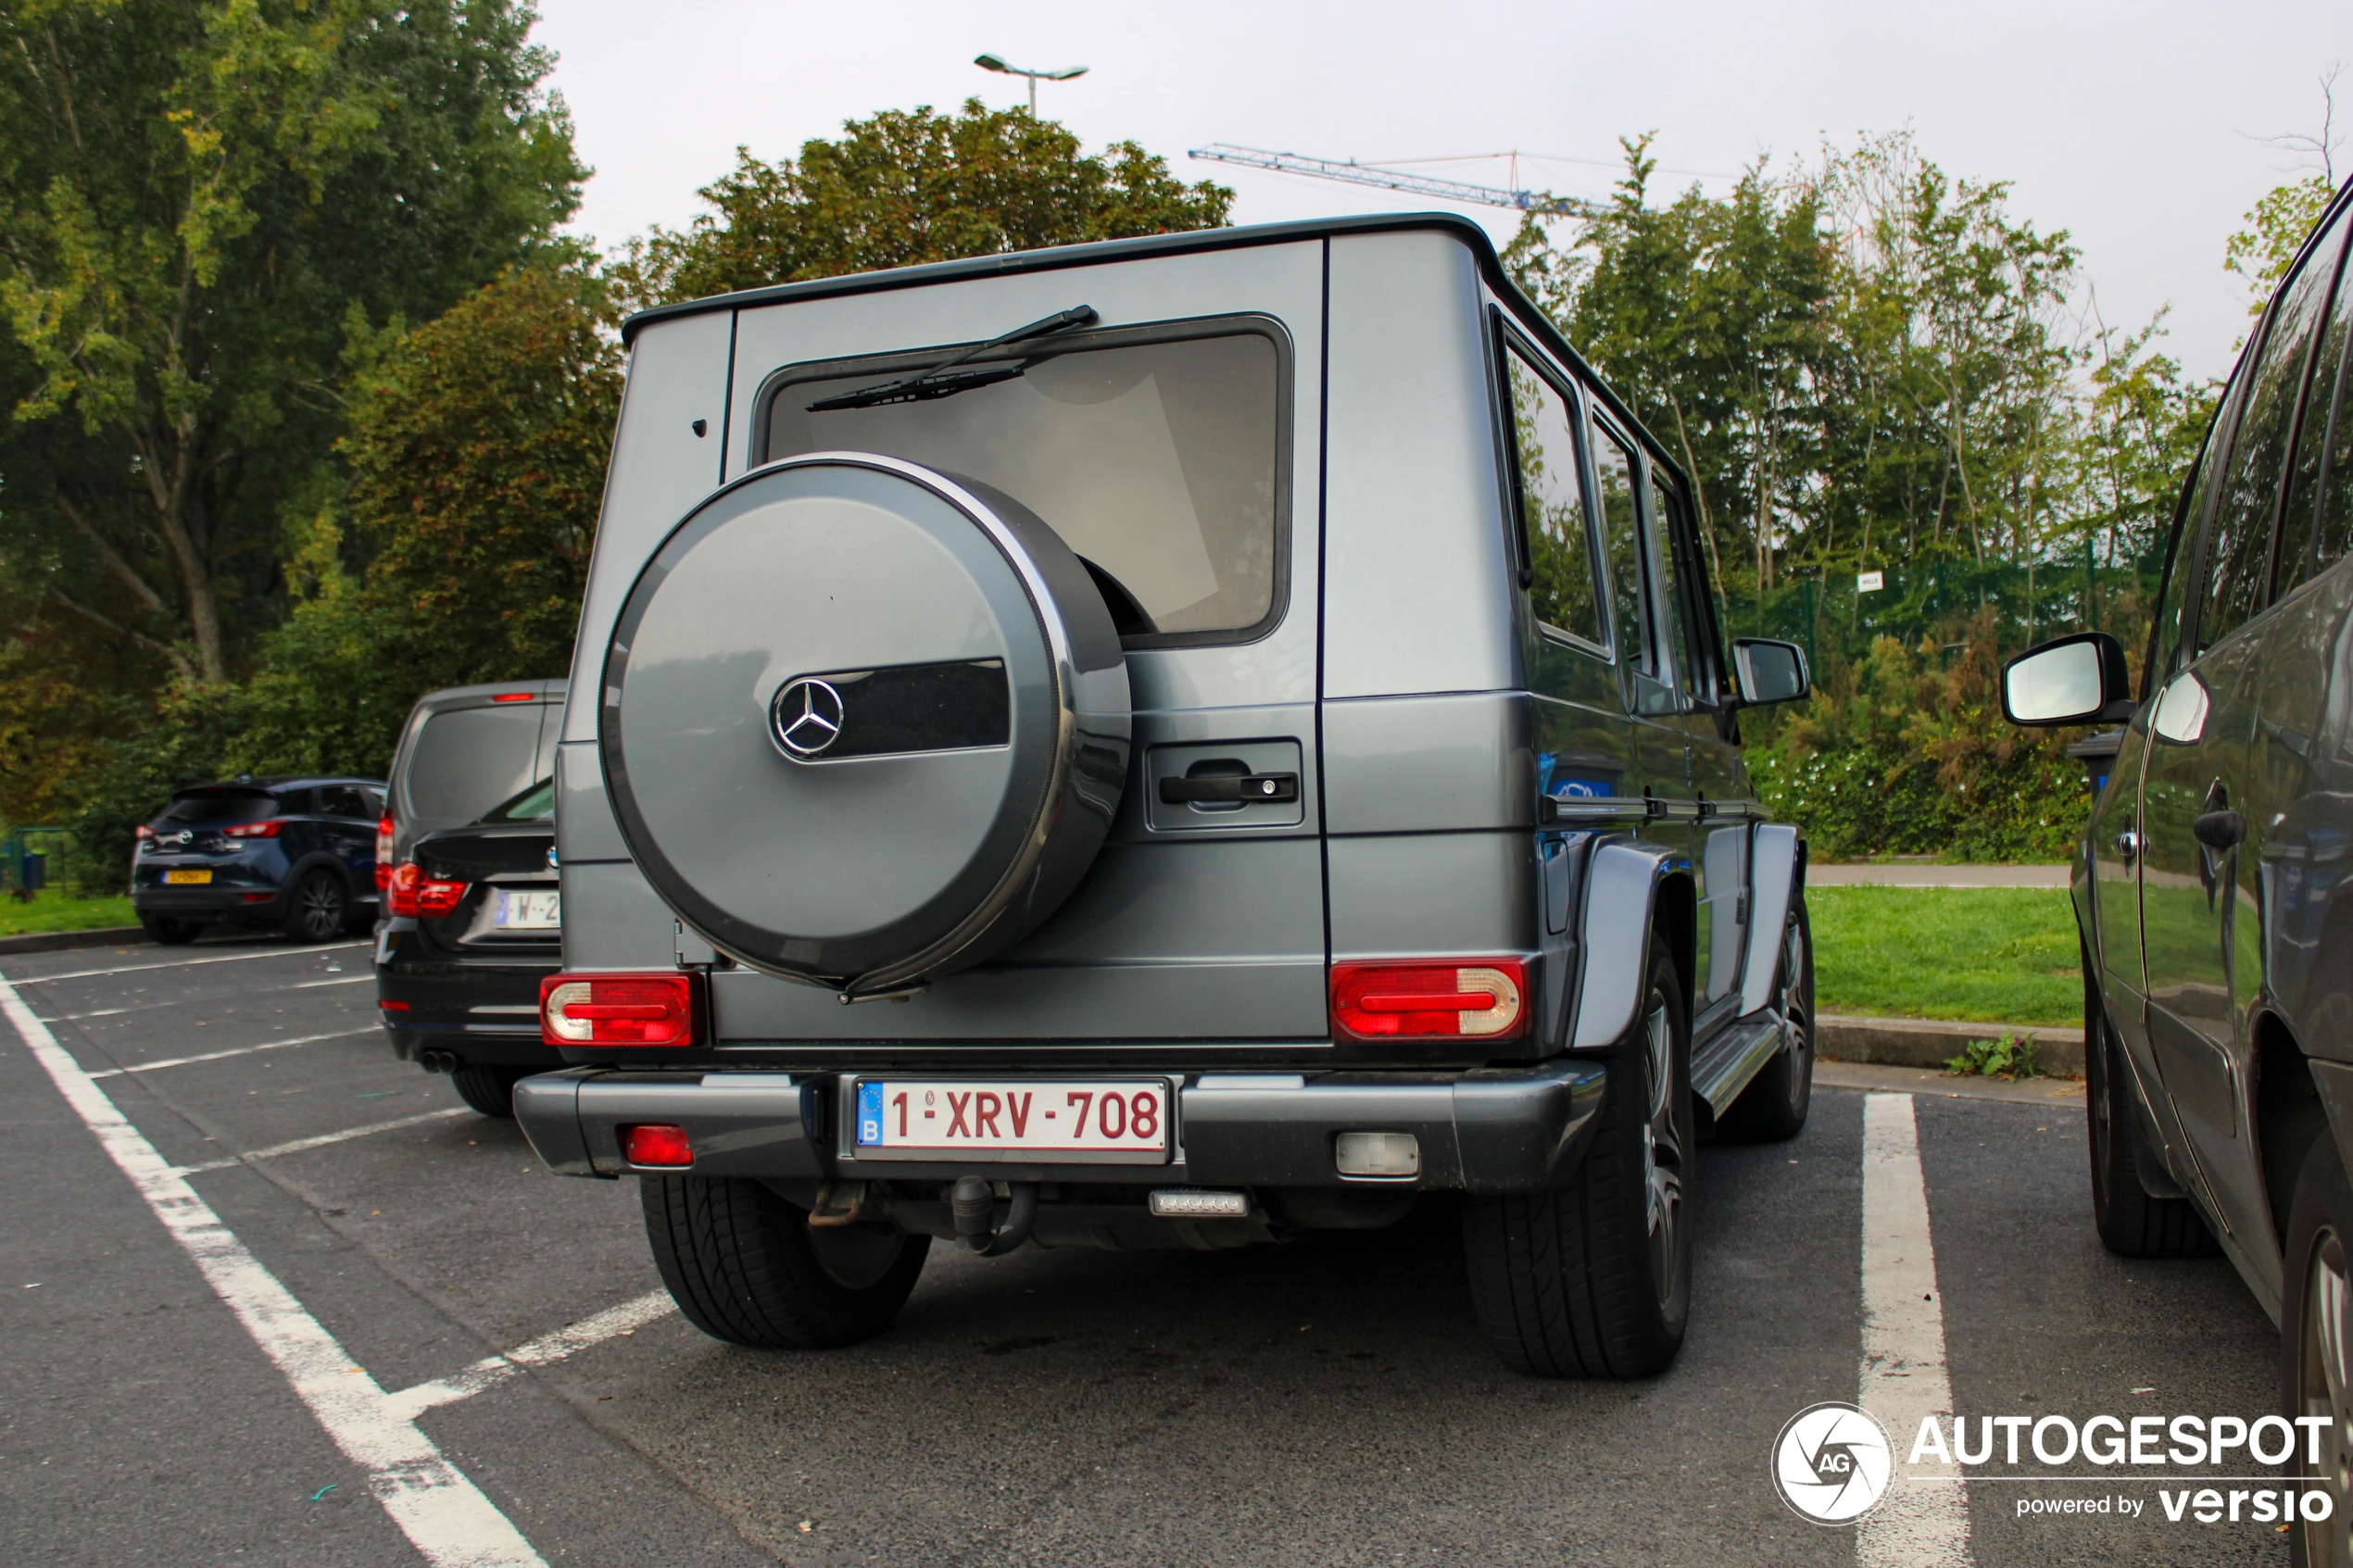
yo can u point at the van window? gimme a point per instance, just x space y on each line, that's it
2239 556
2320 486
1621 536
1156 461
467 760
1551 499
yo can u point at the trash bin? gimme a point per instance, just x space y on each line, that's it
36 873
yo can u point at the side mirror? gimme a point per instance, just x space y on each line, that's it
2075 680
1769 671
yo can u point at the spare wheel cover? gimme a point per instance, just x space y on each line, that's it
862 722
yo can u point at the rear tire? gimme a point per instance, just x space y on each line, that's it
747 1267
1595 1280
1773 1108
2132 1223
322 907
2316 1344
488 1090
171 933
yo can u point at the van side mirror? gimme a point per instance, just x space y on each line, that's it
2074 680
1769 671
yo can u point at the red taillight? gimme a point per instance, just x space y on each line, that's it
617 1009
656 1144
383 851
392 1006
1481 998
514 696
408 891
145 832
254 830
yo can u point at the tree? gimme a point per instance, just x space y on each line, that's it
477 451
904 188
197 198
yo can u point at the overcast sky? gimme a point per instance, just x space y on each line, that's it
2137 127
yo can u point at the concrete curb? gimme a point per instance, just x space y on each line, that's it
59 941
1916 1042
2065 1093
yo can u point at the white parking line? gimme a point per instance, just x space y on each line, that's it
314 984
183 963
442 1513
321 1141
1903 1374
547 1350
218 1056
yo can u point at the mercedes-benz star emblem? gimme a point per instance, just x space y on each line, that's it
806 717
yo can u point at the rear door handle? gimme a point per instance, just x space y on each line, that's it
1228 789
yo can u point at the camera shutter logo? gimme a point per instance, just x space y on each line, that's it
806 717
1832 1463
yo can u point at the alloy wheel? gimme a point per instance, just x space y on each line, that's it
1663 1154
2325 1380
1797 1007
318 909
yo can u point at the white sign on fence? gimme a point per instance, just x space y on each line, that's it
1869 582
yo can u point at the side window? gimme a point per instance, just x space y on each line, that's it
1683 641
2239 555
1551 500
341 800
2320 486
297 802
1621 544
2166 654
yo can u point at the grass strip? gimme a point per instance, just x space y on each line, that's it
1976 955
53 912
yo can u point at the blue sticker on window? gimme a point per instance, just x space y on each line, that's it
870 1115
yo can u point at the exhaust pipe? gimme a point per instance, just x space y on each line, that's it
438 1061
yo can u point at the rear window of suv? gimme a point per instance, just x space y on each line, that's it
1158 458
212 807
468 759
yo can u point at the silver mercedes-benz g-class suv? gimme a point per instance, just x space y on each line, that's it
1169 743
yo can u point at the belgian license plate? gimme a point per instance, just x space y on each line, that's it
1119 1121
528 911
185 879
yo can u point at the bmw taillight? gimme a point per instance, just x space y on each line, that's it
413 893
383 851
617 1009
254 830
145 832
1429 999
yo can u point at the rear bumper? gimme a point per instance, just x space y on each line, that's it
483 1011
233 902
1483 1131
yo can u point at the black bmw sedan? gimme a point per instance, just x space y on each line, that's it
474 921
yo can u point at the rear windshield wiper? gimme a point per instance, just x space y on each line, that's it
931 382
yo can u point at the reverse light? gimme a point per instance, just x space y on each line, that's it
656 1143
1429 998
412 893
617 1009
1376 1154
254 830
383 851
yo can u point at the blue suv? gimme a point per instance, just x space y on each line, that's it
295 854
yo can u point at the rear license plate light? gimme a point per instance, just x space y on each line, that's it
1429 999
617 1009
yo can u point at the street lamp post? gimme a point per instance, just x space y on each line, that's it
996 63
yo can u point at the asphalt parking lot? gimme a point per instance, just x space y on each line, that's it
1327 1402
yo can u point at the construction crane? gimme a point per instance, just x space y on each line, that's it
1350 171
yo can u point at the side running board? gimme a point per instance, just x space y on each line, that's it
1722 1067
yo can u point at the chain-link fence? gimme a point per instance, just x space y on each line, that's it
1933 602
